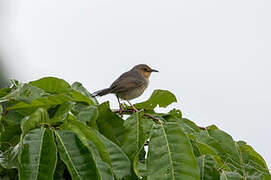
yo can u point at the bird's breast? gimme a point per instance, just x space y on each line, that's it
133 93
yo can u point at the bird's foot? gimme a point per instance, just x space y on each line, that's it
121 110
134 109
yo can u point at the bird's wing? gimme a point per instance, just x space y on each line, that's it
127 81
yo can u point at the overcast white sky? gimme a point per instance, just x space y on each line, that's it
215 56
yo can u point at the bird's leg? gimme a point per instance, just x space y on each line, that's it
120 111
134 108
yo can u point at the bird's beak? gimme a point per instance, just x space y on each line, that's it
153 70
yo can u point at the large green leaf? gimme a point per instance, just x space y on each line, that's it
1 112
38 157
52 85
80 88
40 116
119 161
76 156
26 93
208 168
136 132
227 143
204 139
47 101
61 114
234 159
252 163
170 154
231 176
86 134
88 115
163 98
110 124
4 92
8 159
104 170
187 126
60 170
10 130
108 151
77 96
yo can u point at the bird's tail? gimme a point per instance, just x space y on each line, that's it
102 92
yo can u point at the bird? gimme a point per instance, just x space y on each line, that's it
129 85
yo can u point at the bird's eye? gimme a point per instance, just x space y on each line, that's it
145 69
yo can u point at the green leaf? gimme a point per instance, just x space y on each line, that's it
253 164
205 149
170 154
10 130
1 112
4 92
78 107
230 176
248 153
77 96
208 168
139 167
163 98
108 151
38 156
25 93
37 118
119 161
88 115
61 114
47 101
86 133
76 156
187 126
110 124
204 139
136 132
104 170
233 158
227 144
60 169
80 88
8 159
13 83
52 85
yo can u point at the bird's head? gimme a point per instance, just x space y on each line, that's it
144 70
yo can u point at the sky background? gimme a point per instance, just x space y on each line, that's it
215 56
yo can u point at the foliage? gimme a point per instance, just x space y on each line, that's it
53 130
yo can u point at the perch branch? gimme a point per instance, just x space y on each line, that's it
131 111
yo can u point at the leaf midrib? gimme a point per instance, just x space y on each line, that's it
169 152
37 173
64 147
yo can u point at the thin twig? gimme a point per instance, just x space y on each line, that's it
202 128
131 111
153 118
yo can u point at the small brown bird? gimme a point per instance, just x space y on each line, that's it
129 85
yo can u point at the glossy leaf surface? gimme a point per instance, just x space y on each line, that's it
76 156
38 157
52 85
171 151
161 98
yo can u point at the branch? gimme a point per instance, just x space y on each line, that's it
131 111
